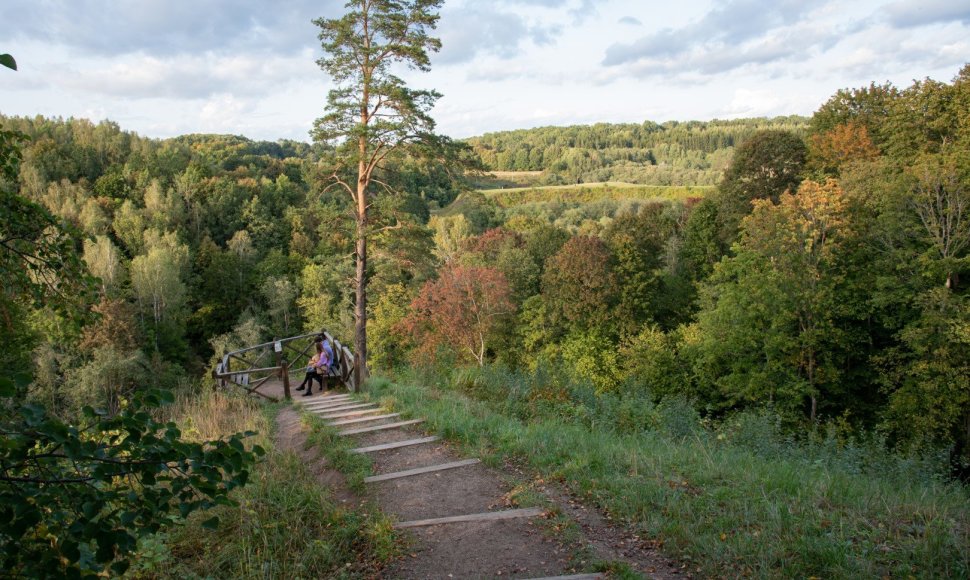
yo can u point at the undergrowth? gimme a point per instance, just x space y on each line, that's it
337 450
285 524
739 498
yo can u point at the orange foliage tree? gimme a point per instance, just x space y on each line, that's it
842 144
460 310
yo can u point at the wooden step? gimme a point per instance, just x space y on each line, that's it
395 445
420 470
363 419
380 427
573 577
333 406
340 414
339 408
332 399
325 410
312 403
502 515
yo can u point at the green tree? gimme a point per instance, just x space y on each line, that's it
772 322
280 294
579 287
371 112
38 262
129 225
450 233
104 261
157 279
389 344
75 498
637 242
702 247
927 376
763 167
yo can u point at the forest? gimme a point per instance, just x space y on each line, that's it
821 285
672 153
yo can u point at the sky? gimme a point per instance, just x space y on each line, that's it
248 67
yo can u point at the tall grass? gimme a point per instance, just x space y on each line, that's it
740 499
285 524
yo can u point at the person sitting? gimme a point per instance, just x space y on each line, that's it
332 360
312 372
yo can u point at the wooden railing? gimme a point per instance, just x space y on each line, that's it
252 367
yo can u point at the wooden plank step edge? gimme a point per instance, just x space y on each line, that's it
379 427
334 407
502 515
395 445
313 403
342 408
340 414
325 400
573 577
324 410
420 470
363 419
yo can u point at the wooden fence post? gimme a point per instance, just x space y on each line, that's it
285 373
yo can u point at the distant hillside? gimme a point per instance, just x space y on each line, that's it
585 193
674 153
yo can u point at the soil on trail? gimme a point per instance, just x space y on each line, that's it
516 548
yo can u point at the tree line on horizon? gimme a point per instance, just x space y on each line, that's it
671 153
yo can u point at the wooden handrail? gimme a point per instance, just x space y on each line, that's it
245 372
223 370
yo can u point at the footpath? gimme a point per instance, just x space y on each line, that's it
460 516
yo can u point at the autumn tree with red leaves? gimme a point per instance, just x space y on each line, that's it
460 310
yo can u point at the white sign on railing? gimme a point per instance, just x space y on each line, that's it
278 346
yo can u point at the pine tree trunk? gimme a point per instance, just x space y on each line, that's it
360 311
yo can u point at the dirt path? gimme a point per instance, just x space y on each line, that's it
518 547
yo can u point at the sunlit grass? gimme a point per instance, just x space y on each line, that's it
286 524
718 506
589 192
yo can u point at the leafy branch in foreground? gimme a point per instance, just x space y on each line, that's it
75 499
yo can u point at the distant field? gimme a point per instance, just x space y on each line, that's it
500 179
588 192
514 174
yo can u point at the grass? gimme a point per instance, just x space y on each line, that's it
588 192
721 507
286 525
355 466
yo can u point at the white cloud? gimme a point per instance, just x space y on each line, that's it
165 27
225 113
165 67
912 13
192 77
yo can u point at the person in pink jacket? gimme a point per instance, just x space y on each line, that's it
319 363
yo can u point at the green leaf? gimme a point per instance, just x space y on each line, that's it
7 387
120 567
211 523
8 61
